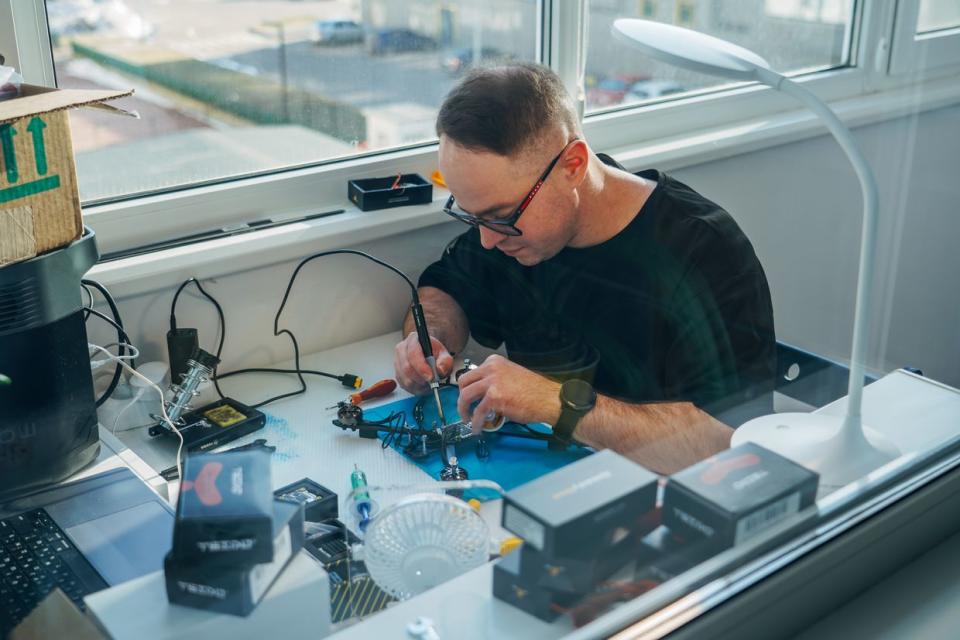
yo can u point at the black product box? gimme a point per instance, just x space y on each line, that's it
380 193
732 496
578 574
664 554
319 503
331 544
517 589
590 502
225 512
235 589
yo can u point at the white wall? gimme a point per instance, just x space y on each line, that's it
799 203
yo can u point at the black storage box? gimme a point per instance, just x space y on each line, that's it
237 588
378 193
581 574
585 503
319 503
225 512
732 496
517 589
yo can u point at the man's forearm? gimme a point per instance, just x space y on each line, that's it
664 437
446 320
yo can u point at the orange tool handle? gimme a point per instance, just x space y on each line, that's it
377 390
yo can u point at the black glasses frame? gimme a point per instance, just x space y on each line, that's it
506 226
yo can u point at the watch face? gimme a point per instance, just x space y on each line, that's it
578 395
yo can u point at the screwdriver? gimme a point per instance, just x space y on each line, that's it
376 390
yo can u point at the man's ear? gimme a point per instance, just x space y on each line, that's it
575 162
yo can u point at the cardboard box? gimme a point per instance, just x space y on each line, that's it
39 201
226 512
734 495
235 589
586 502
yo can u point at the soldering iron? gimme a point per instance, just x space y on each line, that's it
419 320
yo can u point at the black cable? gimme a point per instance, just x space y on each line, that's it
286 294
398 425
223 321
220 376
89 304
121 334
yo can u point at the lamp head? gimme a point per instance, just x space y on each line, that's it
693 50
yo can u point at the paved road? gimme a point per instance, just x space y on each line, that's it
236 33
350 75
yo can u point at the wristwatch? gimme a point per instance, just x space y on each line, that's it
577 398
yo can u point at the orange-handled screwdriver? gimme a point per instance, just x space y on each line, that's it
376 390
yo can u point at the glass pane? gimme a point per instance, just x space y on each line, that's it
793 35
227 89
938 14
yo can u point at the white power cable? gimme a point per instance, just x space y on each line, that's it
133 401
163 409
134 353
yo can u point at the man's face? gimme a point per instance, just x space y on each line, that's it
492 186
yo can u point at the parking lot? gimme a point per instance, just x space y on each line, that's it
349 74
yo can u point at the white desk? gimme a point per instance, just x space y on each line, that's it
914 412
308 445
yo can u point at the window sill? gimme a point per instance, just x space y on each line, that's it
140 274
213 258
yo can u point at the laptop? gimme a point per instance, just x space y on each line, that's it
82 537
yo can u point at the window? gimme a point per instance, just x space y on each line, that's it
793 35
227 91
926 35
936 15
286 99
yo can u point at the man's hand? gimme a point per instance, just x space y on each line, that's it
413 372
504 387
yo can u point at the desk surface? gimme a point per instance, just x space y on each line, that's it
308 445
914 412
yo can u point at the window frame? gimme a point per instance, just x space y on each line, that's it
677 123
929 52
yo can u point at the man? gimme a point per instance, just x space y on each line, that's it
633 283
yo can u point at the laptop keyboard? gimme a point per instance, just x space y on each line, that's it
35 557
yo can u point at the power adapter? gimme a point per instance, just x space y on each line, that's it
181 345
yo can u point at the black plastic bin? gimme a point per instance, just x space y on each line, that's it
377 193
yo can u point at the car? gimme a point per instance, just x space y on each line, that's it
611 91
337 31
386 41
647 89
455 61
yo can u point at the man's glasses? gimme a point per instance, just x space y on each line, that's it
506 226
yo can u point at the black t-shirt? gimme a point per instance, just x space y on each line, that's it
675 307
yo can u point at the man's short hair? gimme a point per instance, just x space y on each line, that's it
506 109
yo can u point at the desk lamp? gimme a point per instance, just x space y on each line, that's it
841 450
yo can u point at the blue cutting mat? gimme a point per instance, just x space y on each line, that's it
512 461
